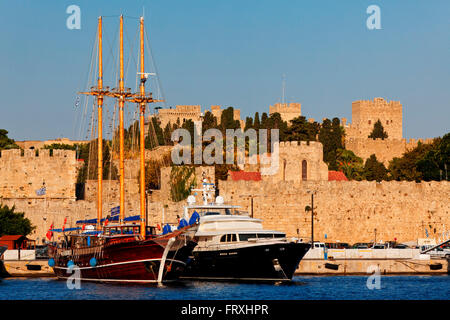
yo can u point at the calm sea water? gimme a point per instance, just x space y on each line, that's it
302 288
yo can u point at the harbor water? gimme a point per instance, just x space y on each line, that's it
425 287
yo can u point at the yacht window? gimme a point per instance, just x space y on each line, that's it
246 236
227 211
223 238
265 235
211 213
233 237
279 235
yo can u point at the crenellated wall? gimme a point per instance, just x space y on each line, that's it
21 175
348 211
287 111
385 150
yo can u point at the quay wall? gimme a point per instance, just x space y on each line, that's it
368 267
346 211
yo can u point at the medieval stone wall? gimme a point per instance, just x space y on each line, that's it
287 111
347 211
366 112
22 175
297 161
180 112
385 150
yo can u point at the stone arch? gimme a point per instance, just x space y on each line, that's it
304 170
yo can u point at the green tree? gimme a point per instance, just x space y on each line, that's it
182 179
248 123
350 164
256 122
227 120
435 164
374 170
405 167
302 130
155 135
5 142
264 119
14 223
331 136
209 121
378 131
89 170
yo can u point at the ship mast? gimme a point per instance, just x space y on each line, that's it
121 94
142 99
99 92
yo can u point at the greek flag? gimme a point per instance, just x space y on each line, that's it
115 211
41 191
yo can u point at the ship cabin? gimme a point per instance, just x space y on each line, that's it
225 225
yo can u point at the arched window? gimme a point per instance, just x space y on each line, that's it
284 169
304 170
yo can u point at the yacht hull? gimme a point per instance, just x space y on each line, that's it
256 262
126 260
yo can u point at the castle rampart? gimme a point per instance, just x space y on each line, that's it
348 211
287 111
22 175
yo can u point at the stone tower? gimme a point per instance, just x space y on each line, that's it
366 112
287 111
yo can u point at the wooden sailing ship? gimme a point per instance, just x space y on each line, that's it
123 252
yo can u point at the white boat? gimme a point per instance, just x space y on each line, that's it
231 245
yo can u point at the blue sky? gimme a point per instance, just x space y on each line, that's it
232 53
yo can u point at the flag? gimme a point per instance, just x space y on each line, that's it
115 211
64 225
41 191
50 233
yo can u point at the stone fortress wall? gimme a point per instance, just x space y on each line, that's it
22 175
364 115
298 161
194 113
287 111
385 150
347 211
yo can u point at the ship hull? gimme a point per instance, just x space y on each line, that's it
124 260
258 262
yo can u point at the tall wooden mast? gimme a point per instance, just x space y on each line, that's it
121 129
141 135
142 99
99 92
121 93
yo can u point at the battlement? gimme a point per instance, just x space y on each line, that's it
377 103
284 107
287 111
18 154
181 109
391 141
310 144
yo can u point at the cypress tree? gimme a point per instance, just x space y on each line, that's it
378 131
